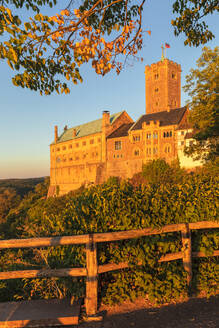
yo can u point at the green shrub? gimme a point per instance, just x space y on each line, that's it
114 206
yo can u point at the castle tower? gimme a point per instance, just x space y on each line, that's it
163 86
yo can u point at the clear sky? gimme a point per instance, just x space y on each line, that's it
27 119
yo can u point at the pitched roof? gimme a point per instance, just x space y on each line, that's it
172 117
86 129
185 126
122 131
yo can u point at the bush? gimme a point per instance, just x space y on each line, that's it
114 206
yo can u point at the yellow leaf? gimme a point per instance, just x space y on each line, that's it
9 13
10 64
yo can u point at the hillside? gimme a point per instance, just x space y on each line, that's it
21 186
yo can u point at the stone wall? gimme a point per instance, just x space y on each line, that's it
162 86
82 161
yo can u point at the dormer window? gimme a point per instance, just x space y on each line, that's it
136 138
118 145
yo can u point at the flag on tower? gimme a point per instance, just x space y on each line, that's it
167 45
149 32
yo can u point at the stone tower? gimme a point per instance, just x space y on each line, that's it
163 84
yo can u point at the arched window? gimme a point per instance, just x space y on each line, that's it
167 149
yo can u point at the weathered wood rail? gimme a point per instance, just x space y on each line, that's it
92 268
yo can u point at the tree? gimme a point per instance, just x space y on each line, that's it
202 85
160 172
8 200
98 31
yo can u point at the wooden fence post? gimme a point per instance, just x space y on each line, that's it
92 282
187 252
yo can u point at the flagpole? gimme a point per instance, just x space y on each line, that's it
162 56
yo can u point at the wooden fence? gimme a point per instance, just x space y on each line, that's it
92 268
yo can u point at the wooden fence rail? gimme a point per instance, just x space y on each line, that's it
92 268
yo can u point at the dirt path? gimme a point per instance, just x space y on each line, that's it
195 313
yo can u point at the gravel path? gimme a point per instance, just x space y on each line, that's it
195 313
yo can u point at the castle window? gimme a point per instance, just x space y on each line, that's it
167 149
70 147
156 89
182 133
76 158
164 134
136 138
157 103
182 143
117 156
137 152
173 75
156 76
148 151
91 141
99 139
63 148
77 145
70 159
121 156
167 135
84 143
155 150
118 145
64 159
155 135
170 133
148 136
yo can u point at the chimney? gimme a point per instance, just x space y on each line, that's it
56 133
106 118
74 133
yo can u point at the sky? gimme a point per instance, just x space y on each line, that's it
27 119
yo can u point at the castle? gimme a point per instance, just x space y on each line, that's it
115 145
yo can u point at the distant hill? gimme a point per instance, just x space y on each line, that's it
22 186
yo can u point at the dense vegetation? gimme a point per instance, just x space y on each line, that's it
112 206
21 186
13 190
